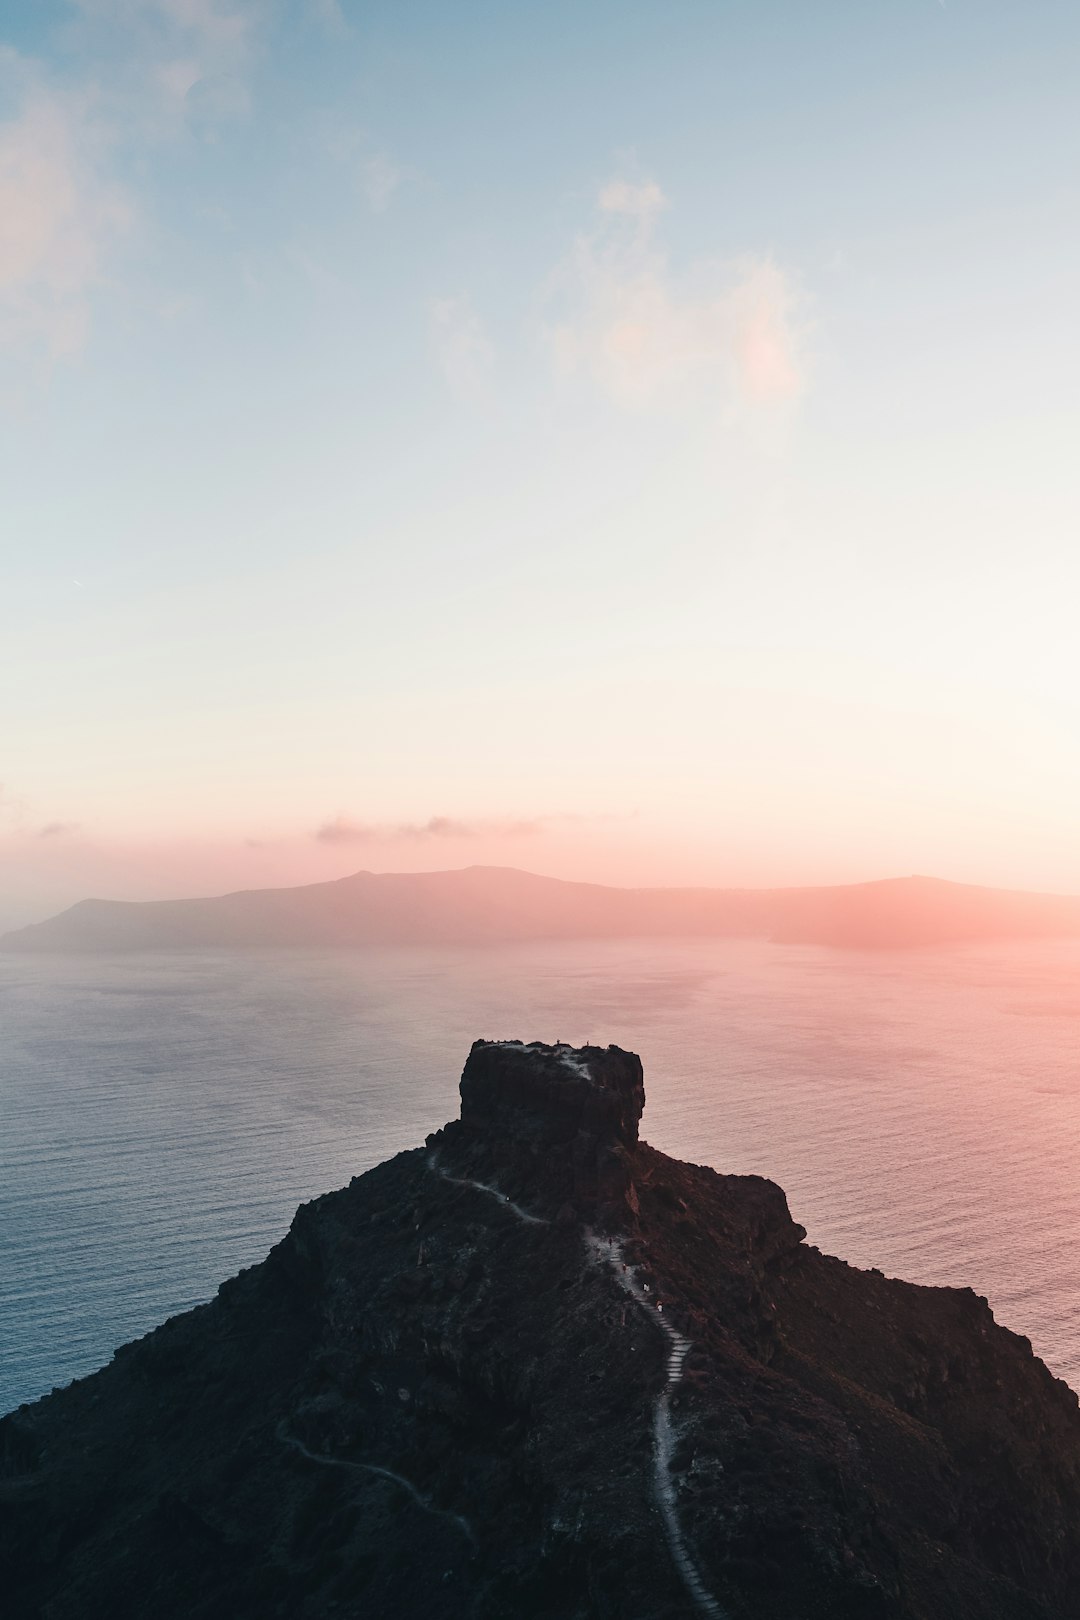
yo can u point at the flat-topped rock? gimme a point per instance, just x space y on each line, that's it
557 1125
534 1092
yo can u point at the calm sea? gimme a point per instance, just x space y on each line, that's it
161 1116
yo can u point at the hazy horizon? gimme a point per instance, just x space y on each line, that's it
480 903
149 883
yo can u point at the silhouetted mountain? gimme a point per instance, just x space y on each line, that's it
492 903
536 1369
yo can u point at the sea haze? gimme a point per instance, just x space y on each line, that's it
162 1115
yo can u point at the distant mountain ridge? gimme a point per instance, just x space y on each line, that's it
492 904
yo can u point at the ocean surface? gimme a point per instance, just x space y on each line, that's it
162 1115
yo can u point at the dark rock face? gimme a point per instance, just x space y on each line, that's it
551 1094
560 1122
433 1401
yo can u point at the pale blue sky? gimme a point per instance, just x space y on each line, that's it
652 422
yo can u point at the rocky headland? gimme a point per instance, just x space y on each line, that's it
536 1368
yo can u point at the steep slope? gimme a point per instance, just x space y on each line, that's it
537 1368
492 904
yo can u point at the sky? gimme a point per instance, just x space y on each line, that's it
628 441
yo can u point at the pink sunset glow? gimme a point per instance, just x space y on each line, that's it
701 526
539 805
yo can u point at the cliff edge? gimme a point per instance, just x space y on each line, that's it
538 1369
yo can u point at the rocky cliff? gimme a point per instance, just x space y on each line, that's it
538 1369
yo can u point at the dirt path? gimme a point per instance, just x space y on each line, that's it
492 1192
607 1252
385 1473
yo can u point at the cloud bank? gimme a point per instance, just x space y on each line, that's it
344 831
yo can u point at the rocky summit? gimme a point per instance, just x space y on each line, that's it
538 1369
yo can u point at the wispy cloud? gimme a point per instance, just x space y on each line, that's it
59 215
174 65
213 24
641 201
371 169
650 337
213 102
75 152
465 353
323 280
163 68
219 22
379 179
343 830
19 817
330 14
